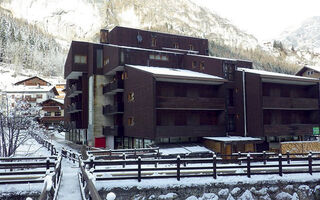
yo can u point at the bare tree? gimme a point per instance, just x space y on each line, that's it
17 120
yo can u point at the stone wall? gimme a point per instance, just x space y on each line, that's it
264 190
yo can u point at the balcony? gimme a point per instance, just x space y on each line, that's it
74 125
74 90
113 87
191 131
74 107
290 103
113 130
190 103
113 109
289 129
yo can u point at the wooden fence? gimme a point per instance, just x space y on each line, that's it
25 170
45 143
88 190
238 165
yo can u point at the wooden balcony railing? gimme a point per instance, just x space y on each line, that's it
192 130
191 103
290 103
289 129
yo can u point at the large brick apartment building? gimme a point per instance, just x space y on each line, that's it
137 87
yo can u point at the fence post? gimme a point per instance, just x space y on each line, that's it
239 158
52 150
248 166
310 163
124 159
48 163
139 169
178 168
264 158
280 164
135 153
214 163
288 157
91 165
74 157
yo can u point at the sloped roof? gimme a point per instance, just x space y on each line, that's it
275 75
19 82
60 101
304 68
177 73
31 89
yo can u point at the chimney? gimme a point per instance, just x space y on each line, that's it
104 36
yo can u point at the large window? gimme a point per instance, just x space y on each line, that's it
57 113
80 59
99 58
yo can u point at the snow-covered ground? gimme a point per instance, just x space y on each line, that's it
69 188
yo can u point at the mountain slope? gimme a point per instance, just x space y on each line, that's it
27 47
82 19
306 36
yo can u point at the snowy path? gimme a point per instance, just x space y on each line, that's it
69 188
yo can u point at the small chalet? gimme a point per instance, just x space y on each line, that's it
52 112
34 90
309 71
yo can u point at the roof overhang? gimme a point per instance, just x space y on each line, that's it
74 75
205 81
233 139
290 81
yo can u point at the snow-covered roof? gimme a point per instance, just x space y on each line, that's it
31 89
61 101
219 58
268 74
182 73
232 139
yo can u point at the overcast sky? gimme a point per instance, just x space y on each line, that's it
265 19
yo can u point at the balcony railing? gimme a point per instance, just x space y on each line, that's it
191 103
113 87
113 109
74 107
289 129
290 103
74 90
191 131
113 130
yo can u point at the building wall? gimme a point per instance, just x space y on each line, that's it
142 108
254 105
128 37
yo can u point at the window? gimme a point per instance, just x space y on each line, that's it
99 58
164 58
194 64
152 57
154 42
176 45
124 75
80 59
158 57
131 121
106 61
130 97
191 48
47 114
202 66
57 113
39 96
